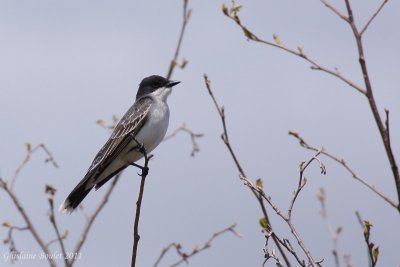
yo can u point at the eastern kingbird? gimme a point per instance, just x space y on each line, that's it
143 126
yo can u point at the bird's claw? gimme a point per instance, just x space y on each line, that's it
145 171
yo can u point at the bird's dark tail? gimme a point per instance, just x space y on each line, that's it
76 196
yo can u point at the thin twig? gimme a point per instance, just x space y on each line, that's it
373 17
334 10
286 217
387 125
90 219
303 180
177 247
367 91
29 152
342 162
185 256
8 188
284 242
225 139
10 239
347 260
28 222
371 100
51 192
193 136
55 240
372 249
334 233
136 236
186 15
299 53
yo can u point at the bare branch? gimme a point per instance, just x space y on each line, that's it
10 239
177 247
145 170
373 17
55 240
50 191
334 10
299 52
193 136
186 15
303 180
29 152
371 100
108 127
92 217
342 162
373 250
333 232
287 218
284 242
347 260
233 15
225 139
28 221
185 256
387 126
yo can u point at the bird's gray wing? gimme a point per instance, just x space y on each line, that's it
123 133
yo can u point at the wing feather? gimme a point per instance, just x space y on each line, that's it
123 133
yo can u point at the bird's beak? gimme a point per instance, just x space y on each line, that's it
172 83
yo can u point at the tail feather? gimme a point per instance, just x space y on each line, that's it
76 196
94 178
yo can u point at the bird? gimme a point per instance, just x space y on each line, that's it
139 131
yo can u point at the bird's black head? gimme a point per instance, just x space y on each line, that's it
152 83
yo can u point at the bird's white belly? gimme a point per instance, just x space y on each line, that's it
152 133
150 136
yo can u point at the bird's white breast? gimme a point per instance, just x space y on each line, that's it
156 126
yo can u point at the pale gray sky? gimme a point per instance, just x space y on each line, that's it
66 64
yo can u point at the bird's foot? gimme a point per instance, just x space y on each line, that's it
145 169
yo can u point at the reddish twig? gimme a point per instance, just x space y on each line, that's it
373 250
371 100
186 15
373 17
29 152
299 52
367 91
10 239
50 191
8 188
288 217
28 221
334 10
185 256
136 236
91 218
259 194
284 242
342 162
193 136
333 232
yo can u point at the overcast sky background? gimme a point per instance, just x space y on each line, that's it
66 64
